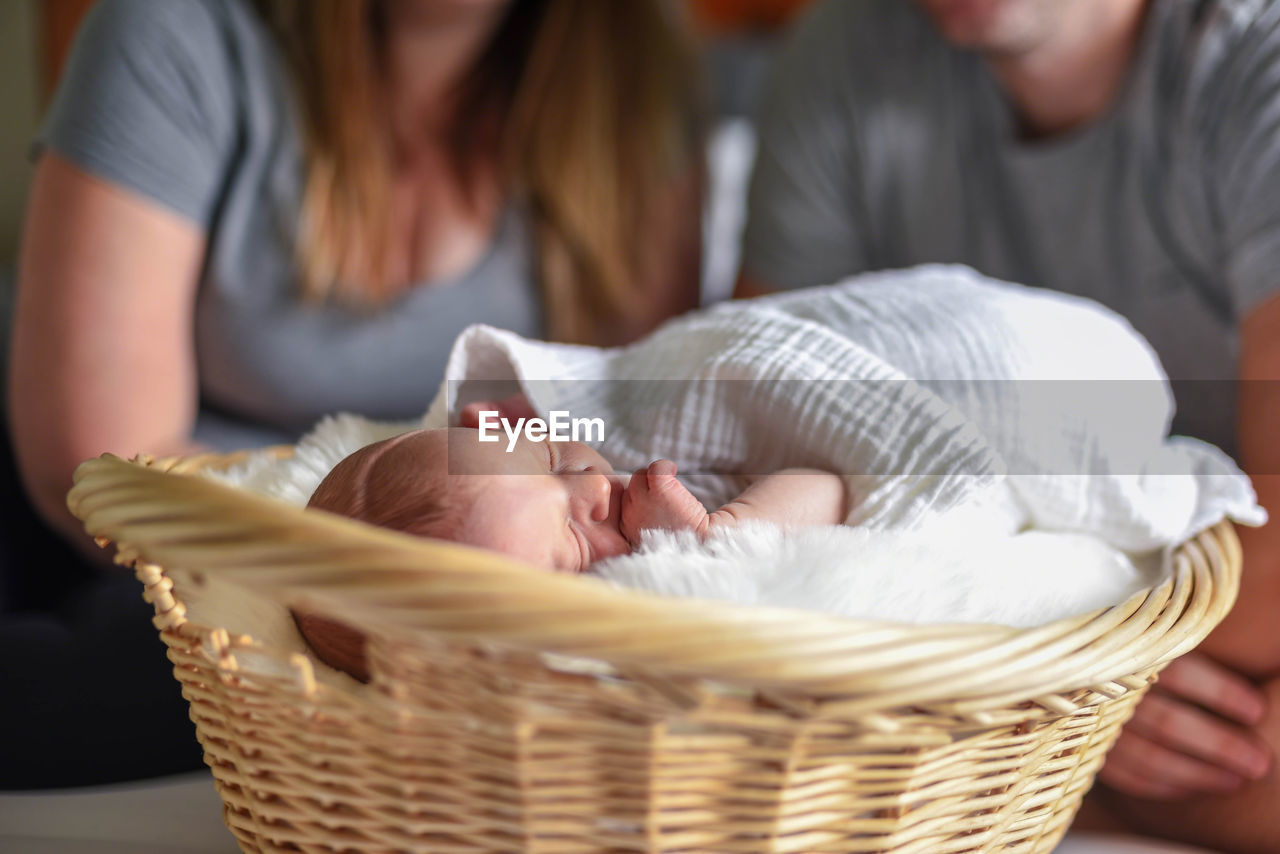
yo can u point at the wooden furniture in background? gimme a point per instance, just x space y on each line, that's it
58 22
720 17
60 18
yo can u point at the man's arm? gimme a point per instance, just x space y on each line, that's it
1237 139
1241 162
1246 639
1199 730
749 287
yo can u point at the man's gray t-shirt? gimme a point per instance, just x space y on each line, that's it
189 104
882 146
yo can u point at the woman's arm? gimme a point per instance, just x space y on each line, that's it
102 356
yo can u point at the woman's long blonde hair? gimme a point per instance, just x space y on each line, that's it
587 107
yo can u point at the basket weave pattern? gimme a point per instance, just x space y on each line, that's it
517 712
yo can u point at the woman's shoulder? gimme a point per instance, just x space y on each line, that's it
155 93
185 20
199 24
204 40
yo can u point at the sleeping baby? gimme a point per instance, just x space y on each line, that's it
557 506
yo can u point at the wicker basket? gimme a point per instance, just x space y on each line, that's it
516 711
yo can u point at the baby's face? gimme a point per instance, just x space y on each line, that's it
553 504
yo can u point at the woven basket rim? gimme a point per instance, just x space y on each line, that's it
393 584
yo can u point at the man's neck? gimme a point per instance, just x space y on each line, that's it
1072 77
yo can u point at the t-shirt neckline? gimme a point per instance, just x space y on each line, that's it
1066 143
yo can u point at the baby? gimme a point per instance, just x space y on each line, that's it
557 506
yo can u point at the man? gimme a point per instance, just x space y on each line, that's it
1123 150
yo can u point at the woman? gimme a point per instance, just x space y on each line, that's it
248 214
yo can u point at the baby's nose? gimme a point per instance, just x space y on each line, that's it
595 490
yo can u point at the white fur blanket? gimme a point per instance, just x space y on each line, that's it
943 574
962 412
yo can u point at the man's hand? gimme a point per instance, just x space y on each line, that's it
1192 734
655 499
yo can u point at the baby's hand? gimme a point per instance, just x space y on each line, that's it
655 499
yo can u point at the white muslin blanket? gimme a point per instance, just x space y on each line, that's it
936 392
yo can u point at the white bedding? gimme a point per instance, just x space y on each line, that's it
940 575
997 469
964 568
931 390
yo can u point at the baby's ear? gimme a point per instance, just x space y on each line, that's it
511 408
470 414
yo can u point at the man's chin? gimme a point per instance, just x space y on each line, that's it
982 26
973 37
965 23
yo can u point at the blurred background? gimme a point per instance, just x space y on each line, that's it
737 35
22 83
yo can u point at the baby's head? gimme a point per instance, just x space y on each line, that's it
552 504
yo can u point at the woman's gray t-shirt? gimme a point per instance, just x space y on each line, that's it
189 103
883 146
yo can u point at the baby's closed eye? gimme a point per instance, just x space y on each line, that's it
579 546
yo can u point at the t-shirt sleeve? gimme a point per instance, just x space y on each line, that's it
806 222
146 102
1244 162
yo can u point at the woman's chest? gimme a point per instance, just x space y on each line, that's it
442 218
268 356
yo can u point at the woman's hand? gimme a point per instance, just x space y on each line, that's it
1191 734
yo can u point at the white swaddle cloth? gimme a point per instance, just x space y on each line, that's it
934 391
960 410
